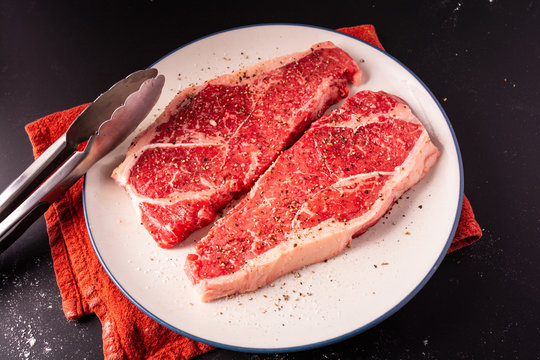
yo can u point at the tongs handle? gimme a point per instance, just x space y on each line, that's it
114 127
34 175
14 225
19 228
82 128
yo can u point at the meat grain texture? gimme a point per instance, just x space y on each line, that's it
214 140
334 183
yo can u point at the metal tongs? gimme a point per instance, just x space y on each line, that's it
104 124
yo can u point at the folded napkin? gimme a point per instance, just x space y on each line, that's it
86 288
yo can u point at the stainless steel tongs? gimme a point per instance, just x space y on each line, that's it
104 124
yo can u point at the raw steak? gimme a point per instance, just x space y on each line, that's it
214 140
337 180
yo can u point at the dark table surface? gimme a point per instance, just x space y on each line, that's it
483 57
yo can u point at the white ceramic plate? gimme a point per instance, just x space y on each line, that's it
321 303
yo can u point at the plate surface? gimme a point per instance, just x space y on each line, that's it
319 304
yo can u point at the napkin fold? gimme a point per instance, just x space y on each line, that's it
86 288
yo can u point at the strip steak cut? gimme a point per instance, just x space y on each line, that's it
214 140
336 181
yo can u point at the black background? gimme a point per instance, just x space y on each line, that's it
483 57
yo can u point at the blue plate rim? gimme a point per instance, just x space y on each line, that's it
347 335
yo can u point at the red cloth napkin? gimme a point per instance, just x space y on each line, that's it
86 288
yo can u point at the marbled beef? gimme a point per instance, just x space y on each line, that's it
337 180
214 140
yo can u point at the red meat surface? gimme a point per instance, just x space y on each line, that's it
214 140
337 180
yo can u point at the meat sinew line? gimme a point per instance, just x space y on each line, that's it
334 183
214 140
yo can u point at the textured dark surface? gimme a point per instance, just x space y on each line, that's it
482 61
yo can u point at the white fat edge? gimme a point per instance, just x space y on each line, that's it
121 173
255 187
341 183
177 145
354 124
124 177
176 197
250 277
254 163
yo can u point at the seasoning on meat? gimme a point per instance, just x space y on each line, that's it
334 183
214 140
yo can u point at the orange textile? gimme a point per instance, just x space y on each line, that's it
85 286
